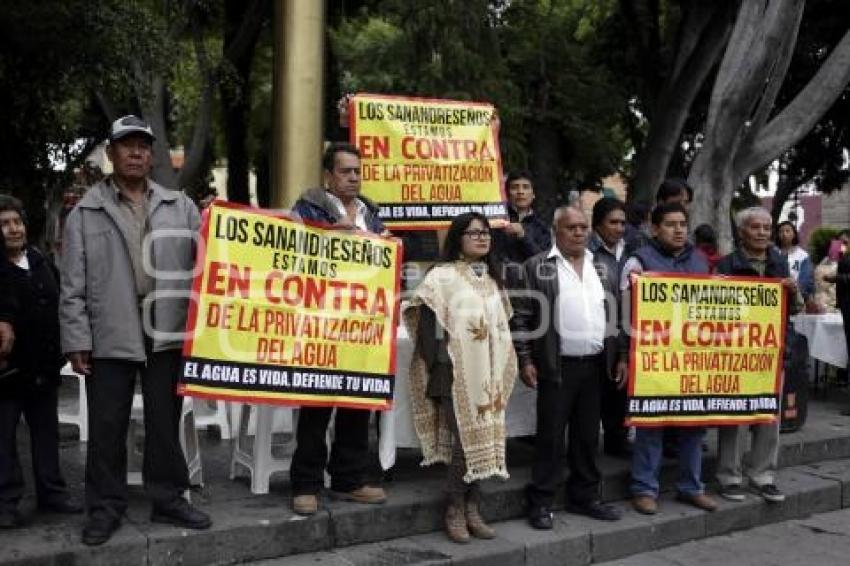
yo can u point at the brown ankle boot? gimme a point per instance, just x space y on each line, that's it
456 519
474 521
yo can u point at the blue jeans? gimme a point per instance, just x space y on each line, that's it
646 461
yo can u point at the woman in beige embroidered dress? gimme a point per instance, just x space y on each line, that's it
463 370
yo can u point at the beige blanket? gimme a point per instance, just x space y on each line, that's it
475 314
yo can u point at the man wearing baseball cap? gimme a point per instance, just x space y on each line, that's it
127 260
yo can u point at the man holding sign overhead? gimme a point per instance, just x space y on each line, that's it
341 204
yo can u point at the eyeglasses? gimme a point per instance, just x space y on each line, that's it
478 234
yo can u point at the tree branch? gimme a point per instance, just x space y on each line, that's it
801 114
196 150
695 19
255 16
784 190
779 70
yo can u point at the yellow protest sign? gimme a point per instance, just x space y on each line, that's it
705 350
424 161
291 313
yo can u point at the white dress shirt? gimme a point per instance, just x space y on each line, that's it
360 220
580 307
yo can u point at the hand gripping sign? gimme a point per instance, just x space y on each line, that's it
424 161
291 313
705 350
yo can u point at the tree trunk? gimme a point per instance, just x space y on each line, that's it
238 49
756 49
693 64
154 113
546 161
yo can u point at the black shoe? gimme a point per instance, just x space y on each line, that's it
65 506
10 518
179 512
99 529
595 510
541 518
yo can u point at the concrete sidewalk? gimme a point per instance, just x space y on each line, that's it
249 528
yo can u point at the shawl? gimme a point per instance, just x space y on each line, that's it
475 314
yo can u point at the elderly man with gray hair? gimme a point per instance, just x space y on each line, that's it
754 257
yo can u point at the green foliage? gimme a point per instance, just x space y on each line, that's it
819 241
531 58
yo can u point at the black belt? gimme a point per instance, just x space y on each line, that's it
582 359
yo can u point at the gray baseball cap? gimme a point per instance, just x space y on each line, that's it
127 125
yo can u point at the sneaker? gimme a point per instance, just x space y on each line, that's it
770 493
645 504
733 492
363 494
305 504
181 513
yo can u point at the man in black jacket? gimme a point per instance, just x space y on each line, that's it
29 382
564 307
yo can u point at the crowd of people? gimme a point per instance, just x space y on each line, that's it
515 299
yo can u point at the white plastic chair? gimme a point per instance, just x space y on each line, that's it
188 442
213 413
79 418
259 461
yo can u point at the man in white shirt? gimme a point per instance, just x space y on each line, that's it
560 328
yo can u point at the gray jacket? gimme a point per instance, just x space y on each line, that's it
99 310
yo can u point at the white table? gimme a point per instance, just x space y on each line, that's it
825 333
397 431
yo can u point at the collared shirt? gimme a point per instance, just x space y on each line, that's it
135 226
580 307
360 216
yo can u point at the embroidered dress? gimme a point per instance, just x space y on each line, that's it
475 314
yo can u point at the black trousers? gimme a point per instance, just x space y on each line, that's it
110 391
574 402
39 410
613 410
349 462
845 317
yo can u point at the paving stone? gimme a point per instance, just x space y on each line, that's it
733 516
568 543
416 509
814 494
398 552
838 470
237 535
498 551
59 543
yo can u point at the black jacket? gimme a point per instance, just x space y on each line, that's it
532 311
842 284
776 265
36 353
537 238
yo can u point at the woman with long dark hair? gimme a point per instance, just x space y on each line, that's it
463 370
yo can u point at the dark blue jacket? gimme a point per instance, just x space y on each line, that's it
315 205
737 263
653 257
